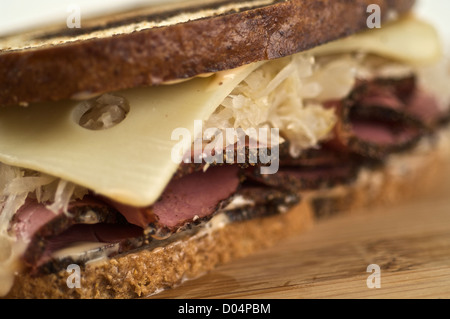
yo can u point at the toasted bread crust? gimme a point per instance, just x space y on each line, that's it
145 272
152 56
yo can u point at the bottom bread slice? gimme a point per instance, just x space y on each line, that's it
190 254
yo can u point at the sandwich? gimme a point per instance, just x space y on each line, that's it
148 147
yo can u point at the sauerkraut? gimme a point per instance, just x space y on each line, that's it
18 184
286 94
289 93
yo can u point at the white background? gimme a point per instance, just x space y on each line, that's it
18 15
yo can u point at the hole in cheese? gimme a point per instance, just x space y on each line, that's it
102 112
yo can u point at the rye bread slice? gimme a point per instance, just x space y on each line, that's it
55 64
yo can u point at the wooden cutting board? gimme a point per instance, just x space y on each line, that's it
410 243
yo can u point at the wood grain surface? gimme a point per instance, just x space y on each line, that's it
410 243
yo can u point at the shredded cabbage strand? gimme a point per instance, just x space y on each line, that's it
288 94
17 184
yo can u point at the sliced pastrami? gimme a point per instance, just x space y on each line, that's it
101 233
402 95
257 200
186 199
389 93
35 218
297 179
381 117
426 108
196 195
240 155
384 97
37 225
377 132
374 131
124 236
31 218
190 197
313 157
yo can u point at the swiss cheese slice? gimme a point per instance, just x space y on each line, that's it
408 40
130 162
